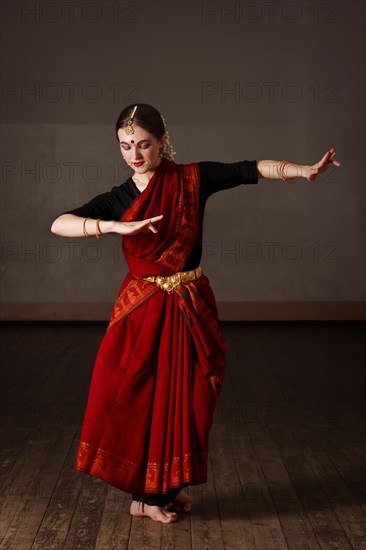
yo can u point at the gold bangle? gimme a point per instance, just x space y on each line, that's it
281 169
84 228
98 233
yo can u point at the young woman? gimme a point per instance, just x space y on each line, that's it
161 364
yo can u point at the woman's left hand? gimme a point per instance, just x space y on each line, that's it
315 169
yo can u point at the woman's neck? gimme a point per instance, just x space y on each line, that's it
142 180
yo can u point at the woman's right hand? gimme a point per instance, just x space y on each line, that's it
70 225
131 228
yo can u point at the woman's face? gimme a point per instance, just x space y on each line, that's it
140 149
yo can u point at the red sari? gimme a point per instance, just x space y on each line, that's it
151 403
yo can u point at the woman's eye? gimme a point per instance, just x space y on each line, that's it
128 148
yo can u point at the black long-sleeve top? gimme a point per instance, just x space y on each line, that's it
214 177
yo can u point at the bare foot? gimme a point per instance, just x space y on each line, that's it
181 503
154 512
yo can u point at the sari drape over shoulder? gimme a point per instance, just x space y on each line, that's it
151 402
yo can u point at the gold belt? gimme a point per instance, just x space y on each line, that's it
171 281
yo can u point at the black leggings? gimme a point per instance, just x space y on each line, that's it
157 500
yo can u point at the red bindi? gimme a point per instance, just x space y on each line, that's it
132 141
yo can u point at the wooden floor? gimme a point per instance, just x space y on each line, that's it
287 450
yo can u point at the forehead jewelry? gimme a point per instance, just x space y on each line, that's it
129 128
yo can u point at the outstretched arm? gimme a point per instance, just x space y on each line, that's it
70 225
275 169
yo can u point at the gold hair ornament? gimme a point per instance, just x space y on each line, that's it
129 128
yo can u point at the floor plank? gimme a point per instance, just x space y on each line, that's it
287 448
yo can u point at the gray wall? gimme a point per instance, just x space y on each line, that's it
266 80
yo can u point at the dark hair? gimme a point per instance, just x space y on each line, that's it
145 116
